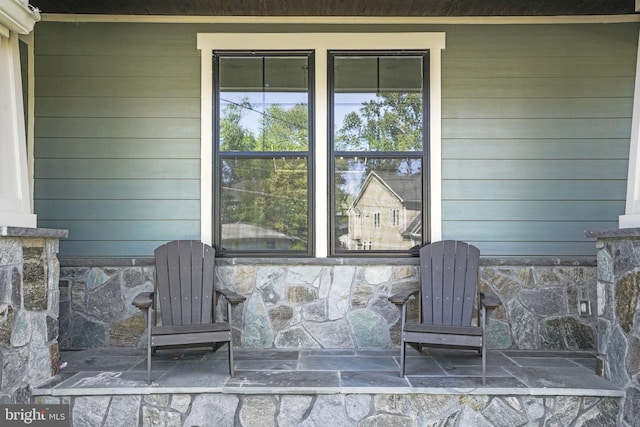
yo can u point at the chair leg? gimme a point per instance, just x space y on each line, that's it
231 369
484 347
403 352
149 349
403 344
484 363
149 364
231 363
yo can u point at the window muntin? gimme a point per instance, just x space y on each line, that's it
395 217
263 132
378 114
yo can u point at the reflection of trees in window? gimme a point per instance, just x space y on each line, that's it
387 122
281 129
266 192
233 136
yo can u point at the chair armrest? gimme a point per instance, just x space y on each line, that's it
232 297
490 301
143 300
402 297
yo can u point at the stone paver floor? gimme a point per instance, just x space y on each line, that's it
298 371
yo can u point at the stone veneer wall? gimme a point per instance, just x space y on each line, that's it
332 303
29 269
363 410
618 314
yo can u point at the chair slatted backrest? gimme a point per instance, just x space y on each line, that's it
449 280
185 282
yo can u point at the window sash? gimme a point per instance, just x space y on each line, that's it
261 210
373 233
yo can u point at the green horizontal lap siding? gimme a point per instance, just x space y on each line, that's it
174 42
123 248
535 87
121 148
532 248
534 190
128 230
529 210
541 149
525 231
111 107
120 66
121 168
146 87
121 209
117 189
536 123
117 148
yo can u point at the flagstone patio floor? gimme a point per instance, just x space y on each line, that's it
321 371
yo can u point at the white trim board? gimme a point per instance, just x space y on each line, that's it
321 43
631 217
344 20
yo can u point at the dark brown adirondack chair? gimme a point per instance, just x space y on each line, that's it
185 295
449 282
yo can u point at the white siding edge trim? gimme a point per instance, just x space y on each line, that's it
631 217
321 43
15 202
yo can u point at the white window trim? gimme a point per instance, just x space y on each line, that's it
321 43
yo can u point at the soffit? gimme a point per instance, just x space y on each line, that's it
392 8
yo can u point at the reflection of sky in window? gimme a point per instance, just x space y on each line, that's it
260 101
357 170
344 103
353 177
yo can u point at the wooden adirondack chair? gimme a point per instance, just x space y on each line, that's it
449 282
185 295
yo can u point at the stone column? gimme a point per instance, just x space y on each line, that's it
618 311
29 300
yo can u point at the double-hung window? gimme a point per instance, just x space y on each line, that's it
263 137
320 144
379 108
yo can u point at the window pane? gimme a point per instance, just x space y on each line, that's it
264 103
377 103
378 74
378 204
264 204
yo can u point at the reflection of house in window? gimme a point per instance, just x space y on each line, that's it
250 237
382 194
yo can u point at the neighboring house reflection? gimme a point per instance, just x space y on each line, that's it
240 236
385 214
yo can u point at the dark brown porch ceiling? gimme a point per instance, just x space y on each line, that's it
426 8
